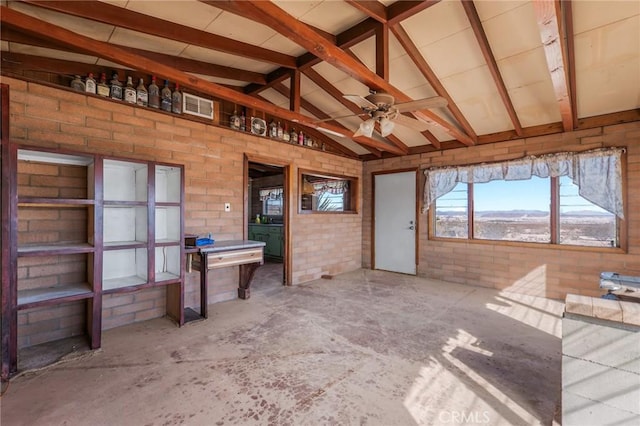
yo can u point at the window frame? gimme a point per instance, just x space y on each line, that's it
353 191
554 243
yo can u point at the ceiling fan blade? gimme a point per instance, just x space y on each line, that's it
418 104
360 101
411 123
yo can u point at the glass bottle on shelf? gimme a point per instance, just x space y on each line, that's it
176 100
90 84
102 88
293 136
243 121
273 129
154 93
142 94
234 120
279 131
285 134
77 84
165 96
115 87
300 138
130 91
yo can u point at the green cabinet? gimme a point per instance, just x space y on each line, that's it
272 236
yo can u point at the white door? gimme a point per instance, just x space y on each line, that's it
395 222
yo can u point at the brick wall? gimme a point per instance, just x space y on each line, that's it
545 270
213 158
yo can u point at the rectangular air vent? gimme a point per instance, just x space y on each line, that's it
195 105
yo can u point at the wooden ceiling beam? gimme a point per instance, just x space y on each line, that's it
401 10
306 37
39 28
332 91
481 37
273 78
121 17
183 64
412 50
372 8
382 51
294 91
549 18
567 8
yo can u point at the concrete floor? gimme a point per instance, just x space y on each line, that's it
366 348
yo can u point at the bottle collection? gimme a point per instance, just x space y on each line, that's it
154 97
275 130
171 101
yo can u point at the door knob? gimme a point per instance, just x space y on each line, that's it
412 227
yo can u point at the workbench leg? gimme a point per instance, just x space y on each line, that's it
204 284
246 275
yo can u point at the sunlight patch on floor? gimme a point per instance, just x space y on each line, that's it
447 391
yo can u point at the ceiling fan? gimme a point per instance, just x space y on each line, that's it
381 108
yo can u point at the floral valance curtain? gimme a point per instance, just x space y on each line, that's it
271 194
332 187
598 175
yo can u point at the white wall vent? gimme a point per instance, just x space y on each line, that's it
195 105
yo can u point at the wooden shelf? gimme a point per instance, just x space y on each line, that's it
122 282
166 276
53 295
49 202
52 249
120 245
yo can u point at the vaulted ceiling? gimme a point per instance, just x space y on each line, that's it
507 69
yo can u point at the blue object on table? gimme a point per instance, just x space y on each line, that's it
204 241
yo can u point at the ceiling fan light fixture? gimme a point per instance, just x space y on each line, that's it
366 128
386 127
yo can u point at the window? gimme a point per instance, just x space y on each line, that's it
272 207
522 210
582 222
518 210
327 193
452 218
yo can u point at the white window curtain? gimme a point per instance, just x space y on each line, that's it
271 194
332 187
598 175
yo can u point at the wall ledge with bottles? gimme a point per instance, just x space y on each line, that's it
167 98
81 226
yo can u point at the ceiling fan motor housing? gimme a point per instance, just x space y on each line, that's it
384 101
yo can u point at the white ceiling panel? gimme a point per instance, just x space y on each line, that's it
208 55
240 29
513 32
253 65
438 22
490 9
404 74
332 16
350 86
535 104
329 72
455 54
607 68
200 14
82 26
275 98
279 43
140 40
525 68
366 52
475 95
106 63
297 9
588 15
50 53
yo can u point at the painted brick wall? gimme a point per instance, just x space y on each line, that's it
541 271
213 158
